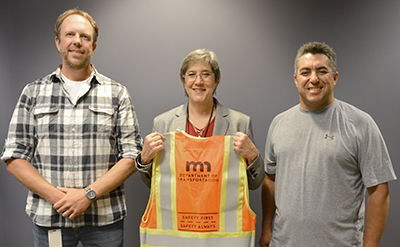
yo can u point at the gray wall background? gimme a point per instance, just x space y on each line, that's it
142 44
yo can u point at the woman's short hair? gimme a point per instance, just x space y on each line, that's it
205 55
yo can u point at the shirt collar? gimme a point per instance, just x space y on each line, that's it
56 75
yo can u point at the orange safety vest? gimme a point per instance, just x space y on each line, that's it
199 195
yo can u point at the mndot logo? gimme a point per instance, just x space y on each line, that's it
198 164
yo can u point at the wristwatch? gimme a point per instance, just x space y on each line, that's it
90 193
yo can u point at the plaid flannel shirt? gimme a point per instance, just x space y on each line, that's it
74 145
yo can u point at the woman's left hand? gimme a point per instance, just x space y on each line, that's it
245 147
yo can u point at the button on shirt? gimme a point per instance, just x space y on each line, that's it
73 145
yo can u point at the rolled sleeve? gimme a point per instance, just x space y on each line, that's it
130 141
21 141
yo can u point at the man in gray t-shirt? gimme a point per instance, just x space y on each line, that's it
321 157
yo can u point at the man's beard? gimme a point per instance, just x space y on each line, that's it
80 65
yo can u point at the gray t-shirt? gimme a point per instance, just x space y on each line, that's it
324 160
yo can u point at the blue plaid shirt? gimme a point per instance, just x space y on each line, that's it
74 145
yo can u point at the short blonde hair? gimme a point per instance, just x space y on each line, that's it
63 16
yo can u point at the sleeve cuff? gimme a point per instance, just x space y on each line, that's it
140 167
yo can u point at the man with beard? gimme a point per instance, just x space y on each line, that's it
72 141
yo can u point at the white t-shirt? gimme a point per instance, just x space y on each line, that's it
76 89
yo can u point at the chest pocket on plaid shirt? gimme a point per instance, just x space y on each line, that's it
46 118
101 119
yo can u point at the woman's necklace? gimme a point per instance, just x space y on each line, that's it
199 132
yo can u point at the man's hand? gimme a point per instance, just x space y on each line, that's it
73 204
265 239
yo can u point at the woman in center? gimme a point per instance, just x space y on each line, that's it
203 116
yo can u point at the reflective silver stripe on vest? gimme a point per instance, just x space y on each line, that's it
165 196
232 191
174 241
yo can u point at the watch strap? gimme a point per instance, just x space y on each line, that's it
90 193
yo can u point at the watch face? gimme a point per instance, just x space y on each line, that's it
91 194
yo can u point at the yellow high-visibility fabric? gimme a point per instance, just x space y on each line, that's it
199 195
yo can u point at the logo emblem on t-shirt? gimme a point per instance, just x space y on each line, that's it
327 136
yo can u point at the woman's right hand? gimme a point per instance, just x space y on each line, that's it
152 144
